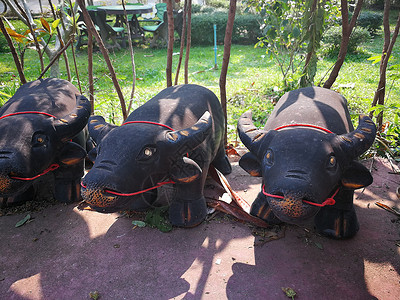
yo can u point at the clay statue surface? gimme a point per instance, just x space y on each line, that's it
171 139
306 155
37 125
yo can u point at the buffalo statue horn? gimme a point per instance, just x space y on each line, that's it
250 135
352 144
359 140
70 125
186 140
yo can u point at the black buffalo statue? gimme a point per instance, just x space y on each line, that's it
36 128
172 138
306 156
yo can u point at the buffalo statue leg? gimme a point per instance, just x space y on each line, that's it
189 207
221 162
68 176
67 183
261 209
340 220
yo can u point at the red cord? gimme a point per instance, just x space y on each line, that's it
151 188
136 193
28 112
147 122
304 125
328 201
49 169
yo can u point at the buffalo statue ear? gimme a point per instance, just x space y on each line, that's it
250 164
185 170
98 128
356 176
92 154
71 154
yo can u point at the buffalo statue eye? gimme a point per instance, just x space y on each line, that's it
269 157
39 140
146 153
332 161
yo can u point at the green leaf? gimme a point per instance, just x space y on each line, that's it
296 32
6 95
375 59
157 218
289 292
138 223
55 24
23 221
319 245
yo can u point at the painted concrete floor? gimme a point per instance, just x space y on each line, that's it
65 253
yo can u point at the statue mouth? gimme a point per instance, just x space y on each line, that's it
10 187
107 199
292 210
291 207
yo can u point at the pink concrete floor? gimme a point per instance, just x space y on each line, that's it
65 253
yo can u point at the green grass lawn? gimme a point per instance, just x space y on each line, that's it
253 80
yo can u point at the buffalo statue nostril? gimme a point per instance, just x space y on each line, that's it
308 148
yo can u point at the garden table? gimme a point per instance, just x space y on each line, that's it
134 10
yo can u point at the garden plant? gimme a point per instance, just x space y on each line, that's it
257 76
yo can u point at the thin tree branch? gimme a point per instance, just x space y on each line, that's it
13 52
183 33
170 47
132 58
104 51
225 62
188 40
55 58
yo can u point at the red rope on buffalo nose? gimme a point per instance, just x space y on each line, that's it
328 201
49 169
136 193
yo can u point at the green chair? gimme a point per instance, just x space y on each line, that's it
159 31
159 17
107 31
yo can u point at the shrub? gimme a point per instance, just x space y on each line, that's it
333 36
372 21
218 3
246 28
196 8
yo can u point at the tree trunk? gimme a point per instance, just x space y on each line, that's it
379 97
188 40
170 48
347 28
104 51
225 62
90 69
183 35
132 59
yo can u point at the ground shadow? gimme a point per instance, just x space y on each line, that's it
365 267
66 254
